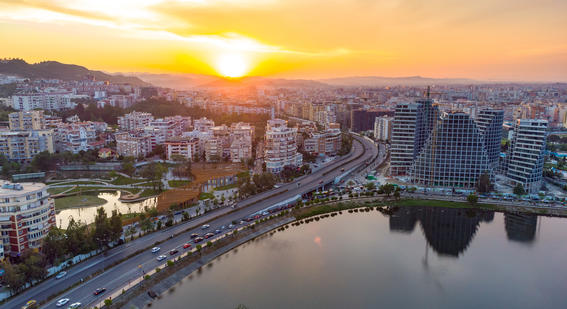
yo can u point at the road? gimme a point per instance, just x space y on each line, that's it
118 276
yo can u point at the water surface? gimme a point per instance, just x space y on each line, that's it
413 258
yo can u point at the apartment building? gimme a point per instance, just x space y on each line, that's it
280 146
22 146
134 121
185 147
325 143
27 120
131 145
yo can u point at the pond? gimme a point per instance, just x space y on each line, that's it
87 214
416 257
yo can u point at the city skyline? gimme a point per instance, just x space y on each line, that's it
507 41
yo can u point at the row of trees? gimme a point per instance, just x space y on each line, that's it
258 183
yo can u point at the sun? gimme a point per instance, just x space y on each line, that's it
231 65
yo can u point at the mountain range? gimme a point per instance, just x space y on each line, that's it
66 72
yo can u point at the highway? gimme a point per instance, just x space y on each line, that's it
118 276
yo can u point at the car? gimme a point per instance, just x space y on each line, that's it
205 226
74 305
99 291
241 222
155 249
342 169
30 304
161 258
231 226
62 302
194 235
172 252
223 227
61 275
198 239
265 213
209 235
217 231
187 245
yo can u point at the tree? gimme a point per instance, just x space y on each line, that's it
199 247
128 166
34 266
397 194
519 190
115 226
387 189
53 245
484 185
370 186
209 244
76 238
472 199
102 228
13 276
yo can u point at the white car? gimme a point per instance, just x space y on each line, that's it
155 249
62 302
161 258
74 305
205 226
61 275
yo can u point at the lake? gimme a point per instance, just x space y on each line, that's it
87 214
411 258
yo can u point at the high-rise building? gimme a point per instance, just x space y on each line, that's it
490 122
403 138
363 120
383 128
27 215
454 156
525 158
411 127
280 146
134 121
28 120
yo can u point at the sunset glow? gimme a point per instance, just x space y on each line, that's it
485 39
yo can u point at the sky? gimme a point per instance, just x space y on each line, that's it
515 40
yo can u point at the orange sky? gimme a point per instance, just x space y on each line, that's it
481 39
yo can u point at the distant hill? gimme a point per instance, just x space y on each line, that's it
57 70
256 81
378 81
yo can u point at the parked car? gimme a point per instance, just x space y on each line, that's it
61 275
99 291
161 258
155 249
172 252
187 245
62 302
205 226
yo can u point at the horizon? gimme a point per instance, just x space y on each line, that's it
510 41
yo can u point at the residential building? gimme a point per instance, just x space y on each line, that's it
79 136
490 123
130 145
185 147
46 100
525 158
240 149
26 215
203 124
22 146
213 150
27 120
134 121
325 143
383 128
280 146
363 120
454 156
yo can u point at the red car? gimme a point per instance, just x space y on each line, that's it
197 239
209 235
187 245
99 291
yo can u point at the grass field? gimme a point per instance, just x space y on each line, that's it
121 180
178 183
232 186
78 201
206 195
149 192
54 191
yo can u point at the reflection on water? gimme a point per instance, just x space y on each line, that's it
472 259
87 214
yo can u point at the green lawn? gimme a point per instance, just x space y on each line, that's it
178 183
54 191
78 201
71 183
149 192
121 180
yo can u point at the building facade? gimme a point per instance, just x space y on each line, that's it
454 156
28 120
280 146
22 146
383 128
26 215
47 101
490 123
525 158
134 121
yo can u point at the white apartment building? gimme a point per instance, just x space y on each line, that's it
280 146
383 128
326 143
203 124
213 150
525 158
134 121
26 215
129 145
47 100
187 148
